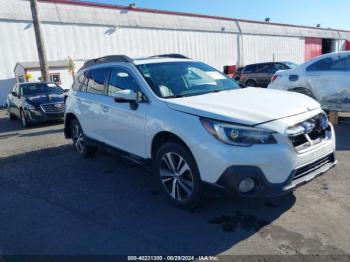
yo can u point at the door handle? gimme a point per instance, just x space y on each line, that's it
105 109
78 100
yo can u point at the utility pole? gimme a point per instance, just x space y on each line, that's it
39 41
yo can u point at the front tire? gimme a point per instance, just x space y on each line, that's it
178 175
24 120
79 140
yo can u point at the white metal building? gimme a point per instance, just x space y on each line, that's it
85 30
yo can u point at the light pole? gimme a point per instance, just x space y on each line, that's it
39 41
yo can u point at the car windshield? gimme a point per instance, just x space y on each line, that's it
40 89
178 79
291 65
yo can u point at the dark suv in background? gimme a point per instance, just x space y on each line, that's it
260 74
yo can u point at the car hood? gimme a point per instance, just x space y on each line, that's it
249 106
45 99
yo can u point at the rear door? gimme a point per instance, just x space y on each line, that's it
269 70
264 74
89 99
249 73
329 80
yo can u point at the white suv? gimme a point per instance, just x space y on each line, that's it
197 128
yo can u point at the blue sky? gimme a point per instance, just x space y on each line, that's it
333 13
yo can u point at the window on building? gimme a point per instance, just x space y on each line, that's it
55 78
120 79
96 80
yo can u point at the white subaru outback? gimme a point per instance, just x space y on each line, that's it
197 128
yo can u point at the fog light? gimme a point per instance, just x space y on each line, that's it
246 185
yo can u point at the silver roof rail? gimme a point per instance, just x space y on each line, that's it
105 59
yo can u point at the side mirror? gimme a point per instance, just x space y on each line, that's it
14 93
65 90
125 96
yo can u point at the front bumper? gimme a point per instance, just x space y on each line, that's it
230 179
37 116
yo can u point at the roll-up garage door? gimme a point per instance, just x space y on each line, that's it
313 47
347 45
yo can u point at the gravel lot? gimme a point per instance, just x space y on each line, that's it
54 202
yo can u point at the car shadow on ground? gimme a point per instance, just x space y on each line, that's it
55 202
11 126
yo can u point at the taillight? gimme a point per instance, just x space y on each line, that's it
274 77
241 77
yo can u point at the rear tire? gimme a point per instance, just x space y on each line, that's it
79 140
178 175
304 91
11 116
250 83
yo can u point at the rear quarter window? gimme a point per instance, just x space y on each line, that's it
78 82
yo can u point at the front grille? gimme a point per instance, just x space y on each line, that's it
53 108
310 168
309 133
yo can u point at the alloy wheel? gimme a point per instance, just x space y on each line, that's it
78 137
23 119
176 176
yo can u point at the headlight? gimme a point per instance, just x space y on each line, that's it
238 135
29 106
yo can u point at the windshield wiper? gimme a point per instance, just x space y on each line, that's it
174 96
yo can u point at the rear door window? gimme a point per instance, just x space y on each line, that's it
96 80
250 69
341 64
336 63
280 66
264 68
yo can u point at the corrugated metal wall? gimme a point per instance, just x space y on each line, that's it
87 41
17 45
263 48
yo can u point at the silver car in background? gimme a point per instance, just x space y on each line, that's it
325 78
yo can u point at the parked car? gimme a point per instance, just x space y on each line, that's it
237 74
35 102
325 78
196 128
260 74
